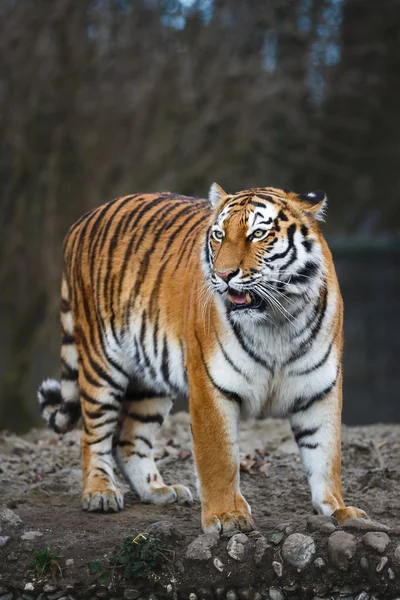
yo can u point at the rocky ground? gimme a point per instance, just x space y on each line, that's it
290 555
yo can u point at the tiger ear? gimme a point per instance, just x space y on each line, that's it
315 204
216 194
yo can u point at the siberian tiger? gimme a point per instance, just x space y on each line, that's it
232 302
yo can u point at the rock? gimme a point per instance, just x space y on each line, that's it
56 596
342 547
165 529
69 562
391 573
205 594
31 535
298 550
231 595
180 566
276 537
362 596
236 546
276 593
319 563
377 541
8 517
4 539
29 587
12 557
199 549
396 555
315 522
364 564
131 594
8 596
192 596
219 593
101 593
381 564
245 594
262 550
218 565
365 525
153 596
327 528
277 567
49 589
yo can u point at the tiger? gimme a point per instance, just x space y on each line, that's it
231 302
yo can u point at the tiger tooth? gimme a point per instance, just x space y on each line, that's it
248 298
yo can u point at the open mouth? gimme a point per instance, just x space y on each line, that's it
241 300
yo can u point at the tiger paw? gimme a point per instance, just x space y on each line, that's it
105 500
349 512
236 520
168 494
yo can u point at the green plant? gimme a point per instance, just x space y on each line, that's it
135 558
45 560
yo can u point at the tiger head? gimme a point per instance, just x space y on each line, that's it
264 249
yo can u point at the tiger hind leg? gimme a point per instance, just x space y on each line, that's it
102 387
141 422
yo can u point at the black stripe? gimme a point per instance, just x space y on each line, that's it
145 440
309 446
73 409
98 369
50 397
299 434
95 402
243 343
146 418
306 344
316 366
64 306
290 233
302 404
68 373
228 358
304 274
101 439
232 396
102 471
67 339
52 422
106 422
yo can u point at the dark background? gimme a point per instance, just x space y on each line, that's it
109 97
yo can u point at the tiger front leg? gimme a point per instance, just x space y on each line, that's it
216 451
317 430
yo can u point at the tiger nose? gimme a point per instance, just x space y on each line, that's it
227 275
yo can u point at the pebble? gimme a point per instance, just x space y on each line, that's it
205 594
153 596
365 525
275 593
319 563
364 564
219 593
391 574
165 529
396 555
31 535
12 557
8 517
131 594
29 587
298 550
236 546
199 549
56 596
231 595
362 596
262 549
382 563
315 522
342 547
8 596
327 528
276 537
218 565
69 562
377 541
277 567
48 588
4 539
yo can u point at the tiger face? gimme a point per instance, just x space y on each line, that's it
262 248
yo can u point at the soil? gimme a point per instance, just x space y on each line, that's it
40 480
